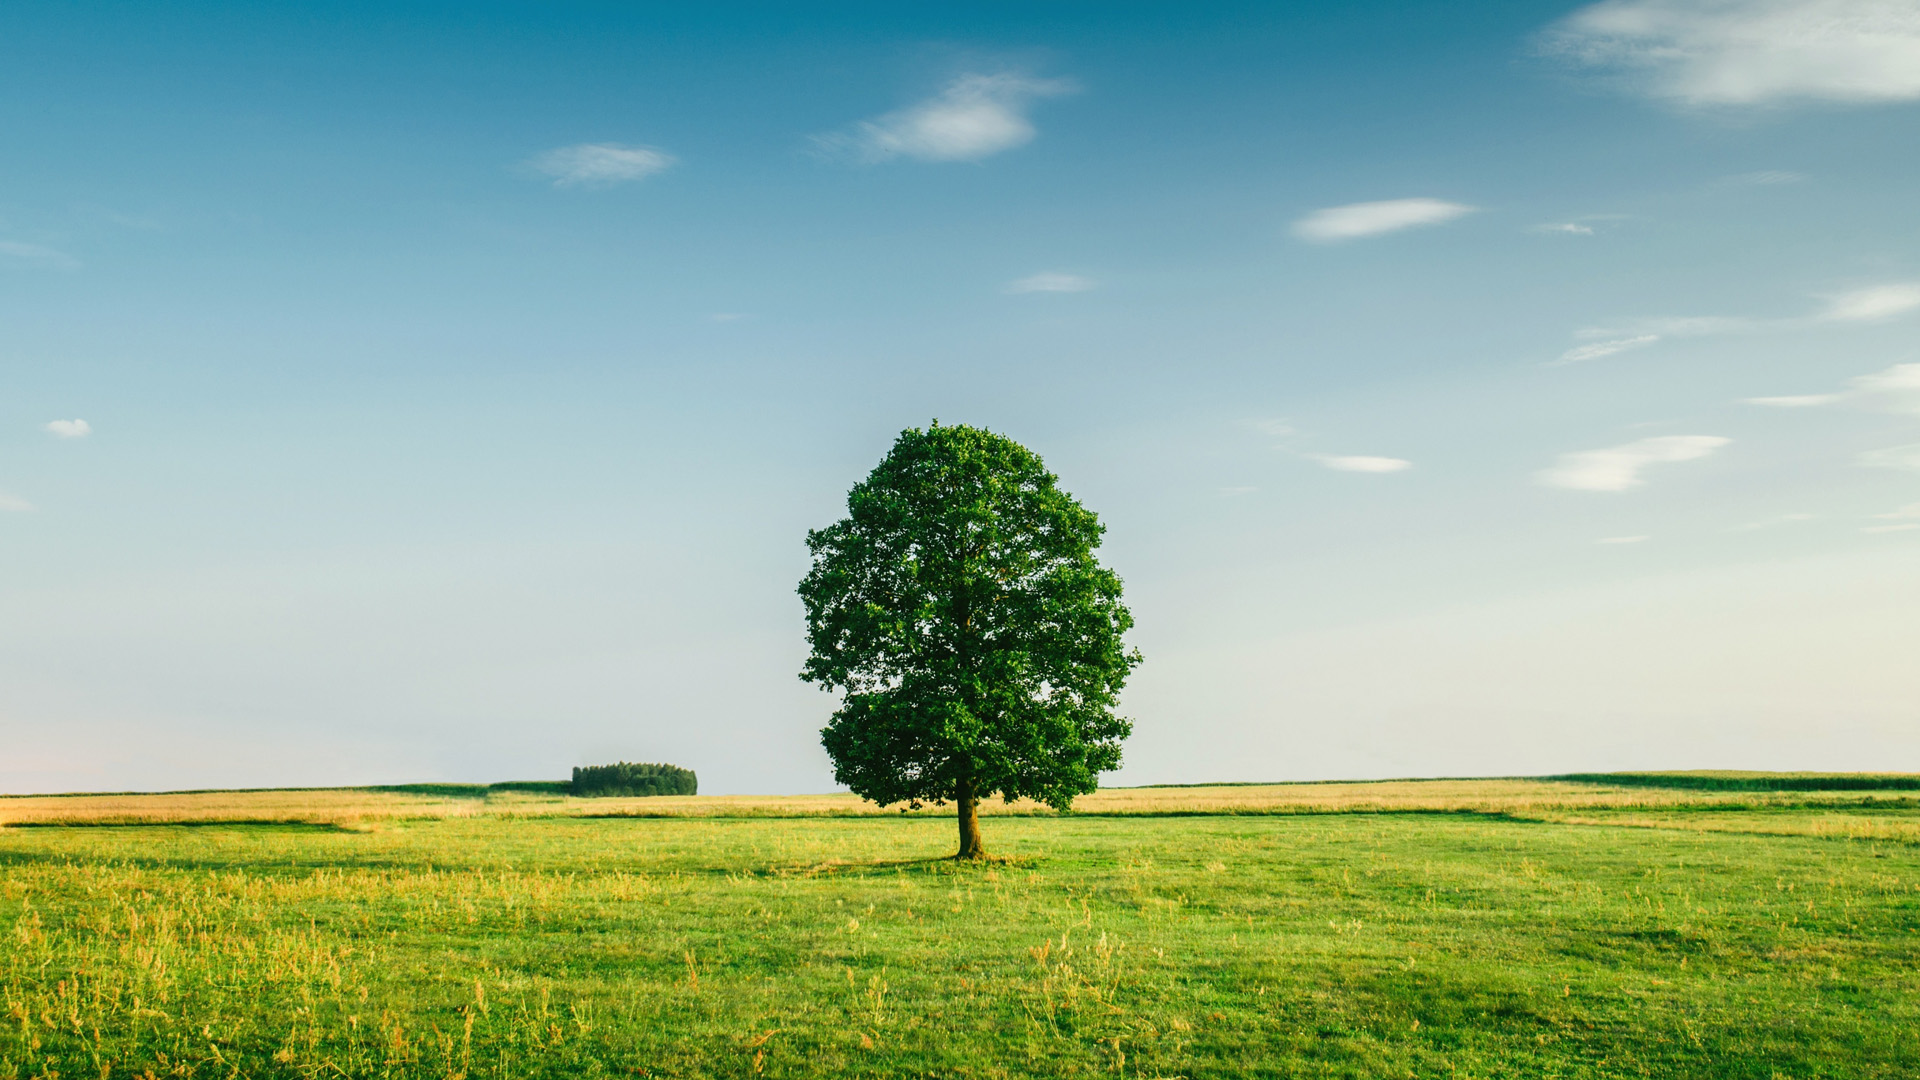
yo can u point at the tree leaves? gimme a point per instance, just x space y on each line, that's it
977 639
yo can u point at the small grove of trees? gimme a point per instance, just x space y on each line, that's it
629 779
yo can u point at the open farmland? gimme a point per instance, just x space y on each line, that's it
1448 928
365 807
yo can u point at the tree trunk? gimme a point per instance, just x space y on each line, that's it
970 845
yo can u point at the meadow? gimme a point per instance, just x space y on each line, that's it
1506 928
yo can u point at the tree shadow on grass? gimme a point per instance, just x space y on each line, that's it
935 864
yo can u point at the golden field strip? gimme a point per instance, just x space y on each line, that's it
1547 800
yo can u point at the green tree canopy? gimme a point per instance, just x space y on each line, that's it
977 639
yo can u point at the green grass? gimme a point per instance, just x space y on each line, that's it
1349 945
1729 780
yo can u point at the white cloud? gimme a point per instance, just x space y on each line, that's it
599 165
1570 228
1873 304
70 429
35 253
1794 401
1362 463
1598 349
1905 519
1374 218
1623 540
1050 282
1618 468
13 504
976 116
1906 458
1895 389
1277 426
1750 52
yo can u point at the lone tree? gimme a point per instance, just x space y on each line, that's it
960 607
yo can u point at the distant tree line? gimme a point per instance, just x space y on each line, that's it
1754 781
629 779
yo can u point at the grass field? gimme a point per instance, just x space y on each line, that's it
367 807
1446 929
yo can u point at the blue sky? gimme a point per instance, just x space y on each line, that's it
398 392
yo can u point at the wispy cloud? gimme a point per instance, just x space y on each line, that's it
1623 539
1584 225
1598 349
1905 458
1618 468
1051 282
1356 220
1873 304
1905 519
974 117
1794 401
1895 389
1283 431
601 165
69 429
13 504
1768 178
1749 52
1362 463
36 253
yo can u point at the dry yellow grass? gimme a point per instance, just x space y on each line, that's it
1429 796
334 806
351 808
